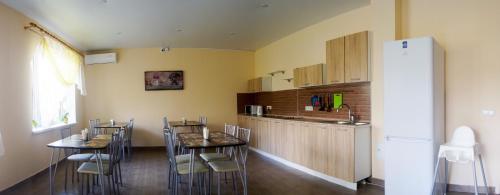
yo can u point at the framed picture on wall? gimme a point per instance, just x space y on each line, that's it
164 80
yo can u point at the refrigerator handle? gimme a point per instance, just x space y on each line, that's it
407 139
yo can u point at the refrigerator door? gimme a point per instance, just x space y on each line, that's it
409 166
408 88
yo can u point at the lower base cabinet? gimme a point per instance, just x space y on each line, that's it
340 151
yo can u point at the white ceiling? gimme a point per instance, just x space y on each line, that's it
222 24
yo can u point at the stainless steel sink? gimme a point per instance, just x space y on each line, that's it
350 123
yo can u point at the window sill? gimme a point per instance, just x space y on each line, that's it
53 128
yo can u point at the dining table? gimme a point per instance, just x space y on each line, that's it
175 125
217 139
75 142
109 125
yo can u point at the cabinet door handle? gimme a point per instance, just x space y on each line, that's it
335 81
355 79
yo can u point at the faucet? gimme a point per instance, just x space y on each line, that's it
351 115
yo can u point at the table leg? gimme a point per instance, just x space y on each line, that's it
51 185
100 170
191 170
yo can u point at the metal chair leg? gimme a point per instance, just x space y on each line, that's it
210 181
169 175
81 183
234 183
475 177
120 173
484 176
435 175
66 177
218 183
445 189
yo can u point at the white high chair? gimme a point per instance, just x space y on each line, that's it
461 149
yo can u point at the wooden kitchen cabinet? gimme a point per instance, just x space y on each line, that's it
343 158
356 57
347 59
319 149
340 151
260 84
308 76
335 61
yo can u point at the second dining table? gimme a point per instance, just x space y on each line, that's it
194 141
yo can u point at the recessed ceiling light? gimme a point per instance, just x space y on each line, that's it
264 5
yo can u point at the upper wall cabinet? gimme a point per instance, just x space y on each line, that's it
308 76
335 61
356 57
260 84
347 59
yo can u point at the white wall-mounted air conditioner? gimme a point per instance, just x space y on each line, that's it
103 58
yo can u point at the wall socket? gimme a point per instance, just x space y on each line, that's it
488 113
380 151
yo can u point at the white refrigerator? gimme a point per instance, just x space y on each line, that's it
413 114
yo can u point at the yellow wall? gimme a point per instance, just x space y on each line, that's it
212 79
25 153
469 31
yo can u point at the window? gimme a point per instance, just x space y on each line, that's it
57 72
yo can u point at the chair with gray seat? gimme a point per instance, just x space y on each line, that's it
73 156
233 166
179 165
109 165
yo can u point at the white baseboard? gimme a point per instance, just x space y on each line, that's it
352 186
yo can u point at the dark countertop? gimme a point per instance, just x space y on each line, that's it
308 119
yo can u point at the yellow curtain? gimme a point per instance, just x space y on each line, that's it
67 63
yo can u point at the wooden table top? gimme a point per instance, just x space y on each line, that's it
187 124
108 125
76 142
217 139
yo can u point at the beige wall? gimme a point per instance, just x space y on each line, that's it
25 153
469 31
212 79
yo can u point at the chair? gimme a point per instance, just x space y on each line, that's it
178 169
75 157
127 141
92 127
233 166
226 154
462 148
166 125
109 169
127 134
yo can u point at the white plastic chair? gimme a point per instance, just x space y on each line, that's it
462 148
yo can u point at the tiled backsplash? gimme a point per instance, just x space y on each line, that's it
292 102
